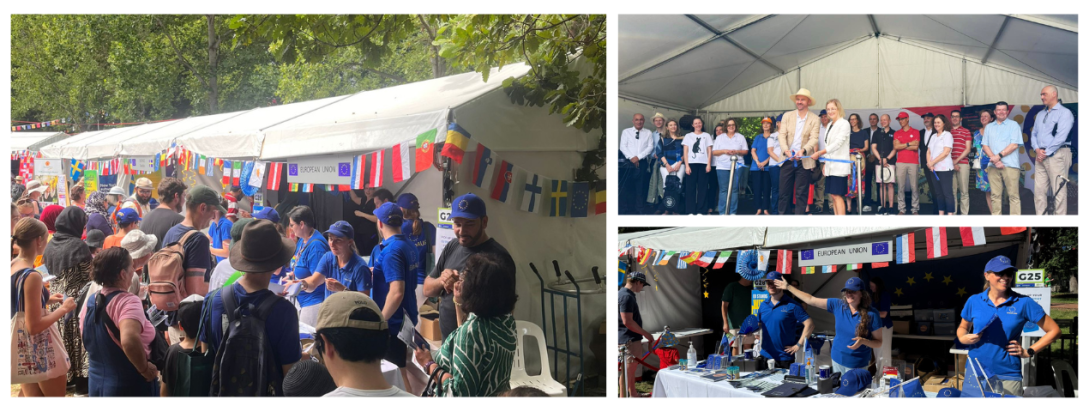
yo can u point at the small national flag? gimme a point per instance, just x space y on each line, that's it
706 259
236 174
972 236
784 261
377 175
226 173
599 197
402 168
580 199
457 139
307 188
483 166
665 257
809 270
359 168
531 197
209 168
681 264
1012 230
828 269
936 243
644 256
330 188
75 171
905 248
623 271
559 198
763 256
689 257
293 187
274 170
203 167
257 176
425 154
343 188
854 266
504 176
876 265
722 258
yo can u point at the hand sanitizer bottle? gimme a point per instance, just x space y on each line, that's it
691 356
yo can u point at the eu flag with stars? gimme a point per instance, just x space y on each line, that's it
580 199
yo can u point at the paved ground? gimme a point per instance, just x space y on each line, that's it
1065 306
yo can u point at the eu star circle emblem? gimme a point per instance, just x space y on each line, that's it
464 204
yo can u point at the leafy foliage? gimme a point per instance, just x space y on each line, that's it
1057 254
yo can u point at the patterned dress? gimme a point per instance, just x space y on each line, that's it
479 355
981 175
72 283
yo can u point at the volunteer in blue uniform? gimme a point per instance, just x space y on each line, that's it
779 317
858 327
422 235
394 265
341 268
309 248
997 344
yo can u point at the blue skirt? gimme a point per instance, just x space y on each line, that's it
835 185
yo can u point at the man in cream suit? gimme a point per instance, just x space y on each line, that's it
798 134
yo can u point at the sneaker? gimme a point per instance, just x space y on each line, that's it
866 209
900 213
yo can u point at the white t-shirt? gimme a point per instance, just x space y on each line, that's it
773 146
724 142
796 145
350 392
935 148
220 274
699 146
822 134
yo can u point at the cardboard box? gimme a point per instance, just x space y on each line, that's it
901 327
945 315
924 315
937 383
429 329
945 328
924 328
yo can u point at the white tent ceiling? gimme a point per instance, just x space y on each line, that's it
709 62
27 140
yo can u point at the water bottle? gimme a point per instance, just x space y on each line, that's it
692 357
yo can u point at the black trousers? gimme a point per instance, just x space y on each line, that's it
696 190
629 189
932 185
868 183
791 177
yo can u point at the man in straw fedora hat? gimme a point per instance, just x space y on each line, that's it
798 133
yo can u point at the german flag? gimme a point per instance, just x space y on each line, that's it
457 139
599 197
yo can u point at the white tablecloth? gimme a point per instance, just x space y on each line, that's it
677 384
392 375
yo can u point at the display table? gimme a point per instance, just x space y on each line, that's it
674 383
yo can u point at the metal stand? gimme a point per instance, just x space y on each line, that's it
623 359
858 180
565 295
730 185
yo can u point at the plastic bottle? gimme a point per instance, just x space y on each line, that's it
691 357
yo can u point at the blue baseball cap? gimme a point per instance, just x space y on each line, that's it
779 118
342 229
998 264
824 112
854 381
854 284
408 201
127 215
268 213
469 206
388 210
774 275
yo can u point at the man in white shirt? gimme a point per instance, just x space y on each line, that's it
818 186
798 135
925 135
352 337
636 146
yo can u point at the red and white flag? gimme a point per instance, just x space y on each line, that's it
936 243
972 236
376 169
784 261
274 170
236 174
402 163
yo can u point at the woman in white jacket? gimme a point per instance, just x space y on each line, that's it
836 147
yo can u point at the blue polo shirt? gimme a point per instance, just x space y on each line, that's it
778 323
281 326
392 260
305 262
1012 316
424 244
998 136
845 333
354 276
220 232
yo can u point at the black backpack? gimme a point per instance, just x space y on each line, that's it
671 199
245 365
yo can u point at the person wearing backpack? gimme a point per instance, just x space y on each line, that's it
309 250
246 325
116 333
178 375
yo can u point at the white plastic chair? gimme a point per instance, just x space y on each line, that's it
1060 368
518 375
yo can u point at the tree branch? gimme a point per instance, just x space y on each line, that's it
179 53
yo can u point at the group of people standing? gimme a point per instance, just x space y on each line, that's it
89 260
799 159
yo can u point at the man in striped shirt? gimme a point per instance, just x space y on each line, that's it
962 139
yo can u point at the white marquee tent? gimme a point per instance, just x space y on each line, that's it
750 64
33 140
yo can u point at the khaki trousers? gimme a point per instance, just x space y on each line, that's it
1005 179
1047 180
960 182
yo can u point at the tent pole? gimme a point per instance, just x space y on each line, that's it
964 82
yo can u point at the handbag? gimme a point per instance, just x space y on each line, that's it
433 382
35 358
671 199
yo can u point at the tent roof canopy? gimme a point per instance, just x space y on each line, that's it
34 140
723 238
695 61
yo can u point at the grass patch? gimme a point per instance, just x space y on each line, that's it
1064 299
644 386
1060 314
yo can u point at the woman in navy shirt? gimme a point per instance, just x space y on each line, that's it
761 183
671 149
858 328
992 321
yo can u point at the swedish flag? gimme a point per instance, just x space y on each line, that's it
76 171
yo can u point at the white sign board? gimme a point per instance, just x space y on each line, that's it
444 230
48 167
868 252
326 170
444 216
1030 278
143 165
1041 296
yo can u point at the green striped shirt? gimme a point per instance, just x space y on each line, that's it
479 355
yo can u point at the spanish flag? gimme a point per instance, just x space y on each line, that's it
457 139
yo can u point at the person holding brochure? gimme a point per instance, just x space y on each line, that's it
992 322
858 328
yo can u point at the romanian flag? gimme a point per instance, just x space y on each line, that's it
457 139
854 266
690 257
784 261
706 259
722 258
936 243
401 167
665 256
905 248
828 269
274 170
600 197
972 236
809 270
425 154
